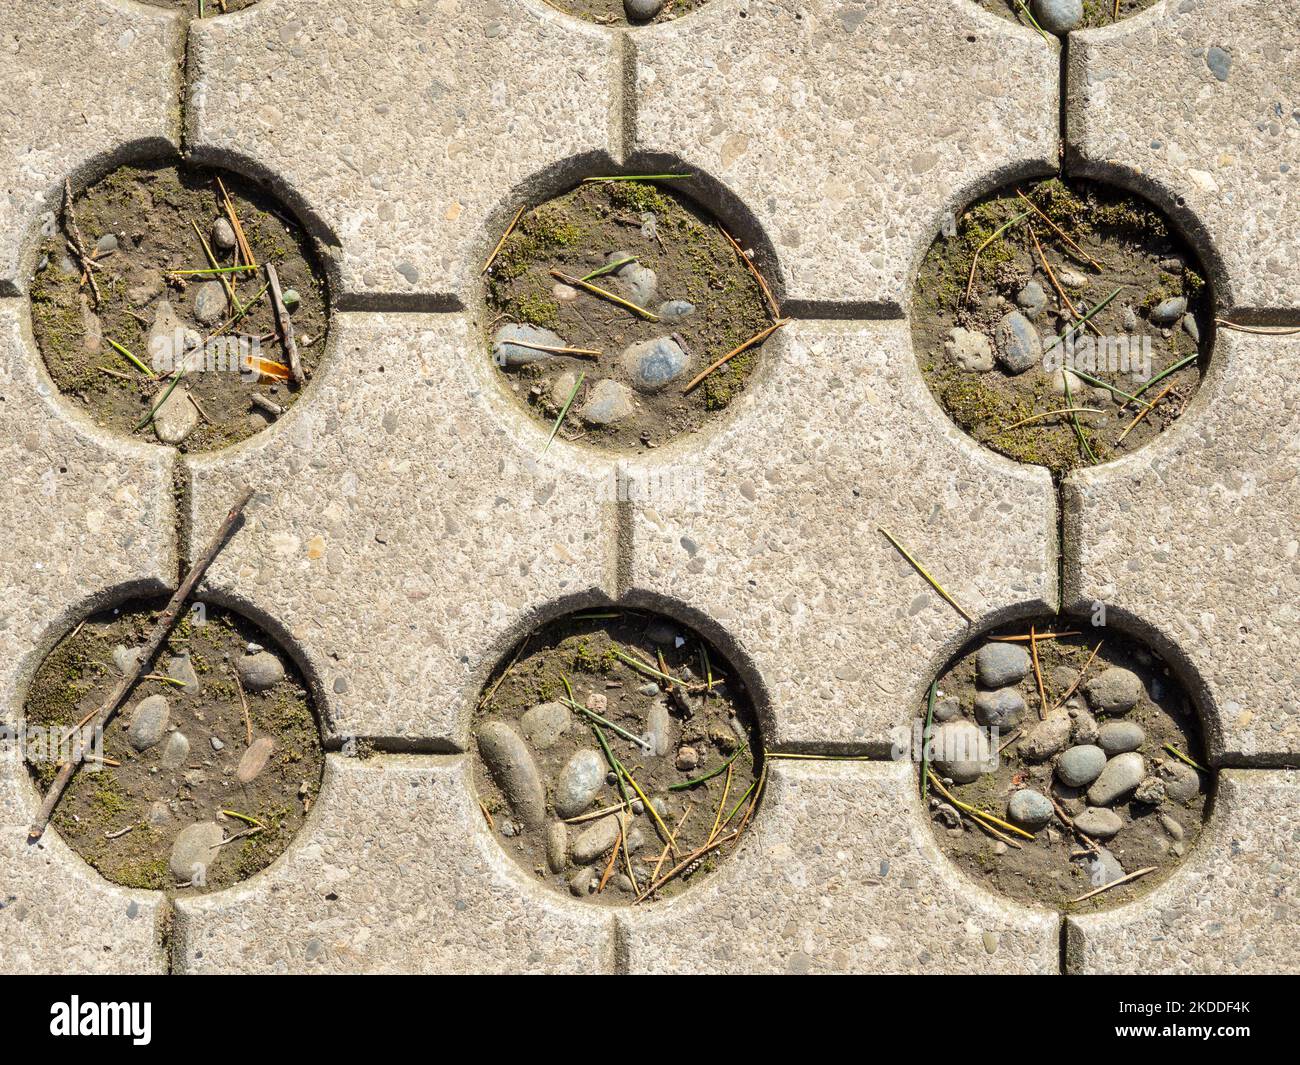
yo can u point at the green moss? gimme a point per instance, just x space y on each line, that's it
636 196
538 310
148 875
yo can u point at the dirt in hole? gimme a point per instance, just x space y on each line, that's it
203 8
1096 13
190 770
682 269
543 775
998 359
139 226
1158 803
627 12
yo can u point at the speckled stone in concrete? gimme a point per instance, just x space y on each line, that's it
406 129
1232 907
404 532
839 873
85 81
1195 102
394 872
57 915
849 129
1195 536
771 528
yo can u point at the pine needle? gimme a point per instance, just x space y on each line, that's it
757 338
925 573
133 360
564 411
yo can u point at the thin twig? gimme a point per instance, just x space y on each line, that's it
162 628
1079 679
757 338
285 322
501 243
1050 414
1144 412
1059 231
773 307
1038 675
243 705
604 293
245 248
87 264
1115 883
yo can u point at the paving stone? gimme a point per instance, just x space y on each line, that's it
122 102
1194 538
57 915
403 534
840 873
450 108
1232 906
394 872
770 527
849 130
1221 149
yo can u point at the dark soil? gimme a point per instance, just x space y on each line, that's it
612 13
716 725
209 8
1139 254
577 233
156 802
1096 13
148 212
1050 869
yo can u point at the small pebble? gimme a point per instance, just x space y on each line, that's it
580 781
607 402
175 751
195 850
253 760
1080 766
640 10
961 751
652 364
583 882
1116 737
223 235
1167 312
1000 709
1019 345
1099 824
1114 691
210 302
1032 299
1182 782
1030 808
557 846
596 840
175 418
1151 791
687 759
514 770
1001 664
675 310
1058 16
217 743
290 298
1120 777
1047 737
969 350
543 725
148 722
947 709
508 353
260 671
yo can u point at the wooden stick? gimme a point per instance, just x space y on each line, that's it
87 263
1079 679
1115 883
757 338
501 243
1059 231
1037 637
1038 675
1144 412
162 628
286 325
929 580
1056 284
243 705
604 293
773 307
245 248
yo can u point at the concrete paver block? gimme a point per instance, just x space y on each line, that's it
1232 906
394 872
406 131
849 129
771 528
1195 101
839 872
1195 538
404 533
88 83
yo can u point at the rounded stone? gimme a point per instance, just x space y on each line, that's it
514 770
1117 737
946 710
1058 16
1047 737
209 302
640 10
1000 664
675 310
175 418
516 344
1080 766
175 751
1182 782
1122 775
580 781
1032 299
1030 808
1114 691
607 402
253 760
148 722
1001 709
543 725
652 364
1099 824
223 235
195 850
1018 344
969 349
557 846
260 671
961 751
1167 312
596 841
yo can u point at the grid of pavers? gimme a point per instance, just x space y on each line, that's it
404 533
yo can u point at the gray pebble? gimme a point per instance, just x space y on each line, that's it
175 418
583 882
1001 709
1151 791
1116 737
1102 868
159 813
1085 730
961 751
507 352
1182 782
557 846
217 743
148 722
260 671
595 841
543 725
1000 664
1172 826
1114 691
175 750
1122 775
1047 737
946 710
125 658
1167 312
1030 808
659 728
223 235
1081 765
106 244
209 302
640 283
580 781
607 402
1099 824
182 669
1032 299
640 10
675 310
1219 61
1019 346
514 770
1058 16
1191 328
652 364
195 850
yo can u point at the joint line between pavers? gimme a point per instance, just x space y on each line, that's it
401 302
843 310
623 101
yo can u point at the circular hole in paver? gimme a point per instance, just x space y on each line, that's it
650 292
1082 334
166 346
1110 749
214 757
203 8
627 12
1064 16
589 691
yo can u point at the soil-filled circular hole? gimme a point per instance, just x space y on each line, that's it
1082 333
169 327
208 769
1049 797
617 756
607 304
1063 16
627 12
203 8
